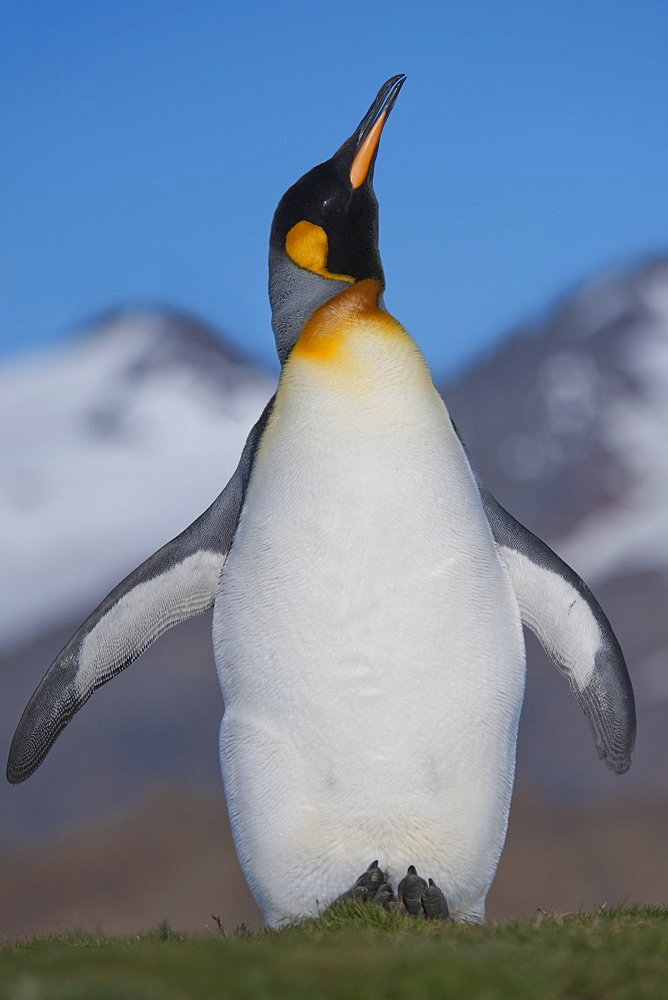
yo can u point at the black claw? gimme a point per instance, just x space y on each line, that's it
372 879
411 889
434 903
371 887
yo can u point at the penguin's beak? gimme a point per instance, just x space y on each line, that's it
369 130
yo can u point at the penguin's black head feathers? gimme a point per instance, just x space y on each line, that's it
327 223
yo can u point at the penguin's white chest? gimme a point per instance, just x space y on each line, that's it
369 650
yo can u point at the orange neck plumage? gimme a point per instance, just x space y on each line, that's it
327 330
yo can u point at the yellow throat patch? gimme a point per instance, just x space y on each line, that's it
307 245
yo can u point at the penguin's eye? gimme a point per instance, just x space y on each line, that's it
334 202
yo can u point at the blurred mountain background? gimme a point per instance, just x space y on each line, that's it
115 440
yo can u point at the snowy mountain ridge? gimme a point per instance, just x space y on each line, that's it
572 435
111 445
635 429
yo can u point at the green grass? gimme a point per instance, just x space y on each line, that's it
358 952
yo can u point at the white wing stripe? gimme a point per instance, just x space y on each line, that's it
554 610
145 612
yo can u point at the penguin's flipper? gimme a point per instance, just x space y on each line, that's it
573 630
175 583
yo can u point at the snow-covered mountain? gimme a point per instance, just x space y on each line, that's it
110 446
569 418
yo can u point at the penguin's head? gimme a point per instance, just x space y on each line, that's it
324 236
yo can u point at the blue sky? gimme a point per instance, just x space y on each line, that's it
147 143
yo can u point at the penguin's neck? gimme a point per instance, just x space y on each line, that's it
352 344
294 295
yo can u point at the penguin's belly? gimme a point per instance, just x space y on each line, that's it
370 654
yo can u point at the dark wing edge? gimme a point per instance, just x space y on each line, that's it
177 582
560 609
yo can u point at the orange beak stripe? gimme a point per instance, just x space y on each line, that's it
364 155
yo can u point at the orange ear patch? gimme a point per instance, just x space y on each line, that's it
307 245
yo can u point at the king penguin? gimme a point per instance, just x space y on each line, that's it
369 595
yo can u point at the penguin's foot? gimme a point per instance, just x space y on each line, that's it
419 898
371 887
